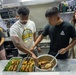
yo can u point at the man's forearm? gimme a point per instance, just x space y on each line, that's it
38 40
2 41
23 48
35 36
20 46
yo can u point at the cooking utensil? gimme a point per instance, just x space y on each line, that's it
27 58
48 65
46 57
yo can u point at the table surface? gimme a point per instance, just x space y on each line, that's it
62 65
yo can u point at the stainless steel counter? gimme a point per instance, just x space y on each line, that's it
63 65
66 65
7 39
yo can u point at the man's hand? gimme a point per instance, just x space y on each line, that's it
35 58
32 49
62 51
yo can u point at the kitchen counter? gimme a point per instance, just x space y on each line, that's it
66 65
63 65
7 39
43 41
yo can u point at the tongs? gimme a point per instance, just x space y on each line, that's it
28 57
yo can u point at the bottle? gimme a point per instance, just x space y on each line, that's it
60 7
64 6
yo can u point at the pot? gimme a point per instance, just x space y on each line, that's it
46 57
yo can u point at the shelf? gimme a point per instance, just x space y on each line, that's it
10 48
67 12
9 19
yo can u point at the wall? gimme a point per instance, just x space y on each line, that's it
37 13
67 16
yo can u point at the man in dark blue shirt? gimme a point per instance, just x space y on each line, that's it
59 32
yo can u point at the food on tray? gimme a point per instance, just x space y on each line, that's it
43 63
27 65
12 64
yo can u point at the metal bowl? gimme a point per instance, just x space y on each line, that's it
47 57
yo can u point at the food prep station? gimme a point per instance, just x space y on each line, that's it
62 66
67 65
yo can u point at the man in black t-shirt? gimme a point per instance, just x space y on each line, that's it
2 50
59 32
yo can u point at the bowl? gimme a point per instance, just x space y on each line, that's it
46 57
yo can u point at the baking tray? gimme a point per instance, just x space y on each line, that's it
13 64
27 64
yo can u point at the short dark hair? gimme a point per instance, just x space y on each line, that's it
51 12
23 10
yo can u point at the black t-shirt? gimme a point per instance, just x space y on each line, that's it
1 35
60 36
